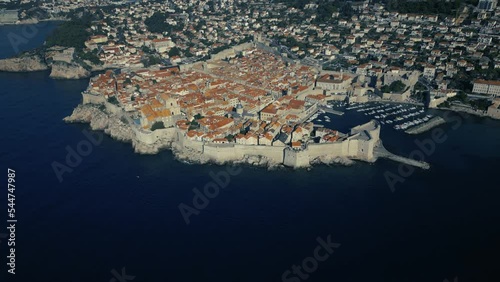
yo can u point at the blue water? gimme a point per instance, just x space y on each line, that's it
441 223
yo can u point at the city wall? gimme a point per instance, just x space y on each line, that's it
359 145
89 98
236 152
350 148
231 52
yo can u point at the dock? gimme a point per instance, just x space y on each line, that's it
381 152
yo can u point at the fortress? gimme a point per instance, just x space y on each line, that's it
213 125
359 144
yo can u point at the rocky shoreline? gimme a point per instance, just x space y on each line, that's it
29 63
62 70
119 129
42 61
99 119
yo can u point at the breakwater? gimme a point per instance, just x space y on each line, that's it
426 126
381 152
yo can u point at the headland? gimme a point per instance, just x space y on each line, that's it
244 105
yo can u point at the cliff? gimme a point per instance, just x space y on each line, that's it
27 63
114 126
62 70
60 60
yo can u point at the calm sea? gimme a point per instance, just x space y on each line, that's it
118 209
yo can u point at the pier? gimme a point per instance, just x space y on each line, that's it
381 152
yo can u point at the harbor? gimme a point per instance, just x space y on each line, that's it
407 118
400 117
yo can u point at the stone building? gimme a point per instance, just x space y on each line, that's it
334 83
487 87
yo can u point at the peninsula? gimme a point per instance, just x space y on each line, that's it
238 73
245 104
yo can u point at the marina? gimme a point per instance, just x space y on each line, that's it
400 117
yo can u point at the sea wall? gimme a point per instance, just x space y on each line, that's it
329 150
296 158
223 153
152 137
114 121
327 153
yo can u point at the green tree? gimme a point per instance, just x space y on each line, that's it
113 100
395 87
157 125
174 52
70 34
157 23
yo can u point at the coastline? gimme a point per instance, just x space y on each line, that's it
62 62
34 21
33 61
362 144
100 119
